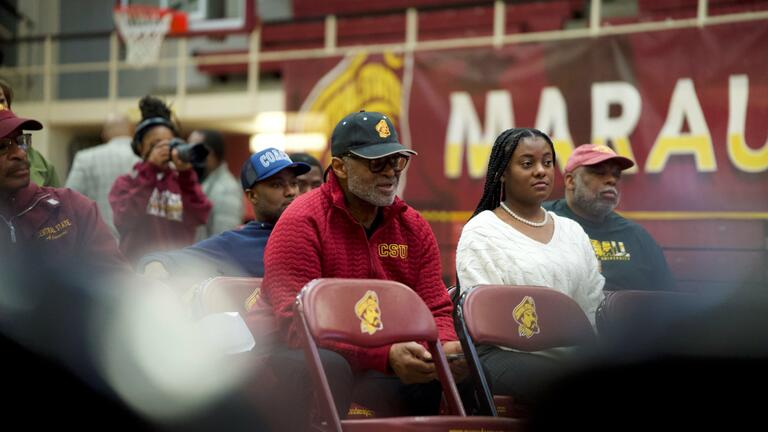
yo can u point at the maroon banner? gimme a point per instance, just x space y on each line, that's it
687 105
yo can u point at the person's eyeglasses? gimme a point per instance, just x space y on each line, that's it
398 162
23 141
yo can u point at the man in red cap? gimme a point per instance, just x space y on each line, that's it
628 255
48 223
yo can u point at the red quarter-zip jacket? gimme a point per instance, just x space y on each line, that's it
317 237
58 222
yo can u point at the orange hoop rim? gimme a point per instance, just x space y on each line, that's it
179 22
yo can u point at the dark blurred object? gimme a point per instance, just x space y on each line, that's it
48 365
35 385
703 369
643 316
51 315
190 153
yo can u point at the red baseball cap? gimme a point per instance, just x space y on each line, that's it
593 154
9 122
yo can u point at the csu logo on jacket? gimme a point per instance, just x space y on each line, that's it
53 232
393 250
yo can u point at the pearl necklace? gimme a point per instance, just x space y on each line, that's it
526 221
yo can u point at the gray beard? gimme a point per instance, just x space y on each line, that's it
593 205
368 192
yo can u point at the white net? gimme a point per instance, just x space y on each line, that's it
143 31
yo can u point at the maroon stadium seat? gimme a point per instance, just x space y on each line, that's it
224 294
641 317
326 310
485 316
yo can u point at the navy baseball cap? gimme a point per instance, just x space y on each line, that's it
266 163
366 134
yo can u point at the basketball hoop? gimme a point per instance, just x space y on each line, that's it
143 29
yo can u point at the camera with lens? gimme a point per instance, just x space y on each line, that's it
190 153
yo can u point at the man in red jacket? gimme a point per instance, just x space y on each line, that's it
46 224
355 226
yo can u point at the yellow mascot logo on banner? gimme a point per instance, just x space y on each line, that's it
359 81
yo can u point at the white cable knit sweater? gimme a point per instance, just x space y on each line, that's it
490 251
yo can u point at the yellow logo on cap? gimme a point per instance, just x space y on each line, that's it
604 149
525 315
382 129
367 309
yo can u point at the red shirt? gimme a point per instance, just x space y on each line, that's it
317 237
157 209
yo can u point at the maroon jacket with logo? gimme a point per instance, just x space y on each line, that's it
317 237
58 222
157 209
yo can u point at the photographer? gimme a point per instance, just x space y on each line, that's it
159 205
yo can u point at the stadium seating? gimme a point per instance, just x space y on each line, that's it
365 23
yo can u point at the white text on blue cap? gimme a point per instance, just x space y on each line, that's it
272 156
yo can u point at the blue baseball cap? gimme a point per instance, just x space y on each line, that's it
266 163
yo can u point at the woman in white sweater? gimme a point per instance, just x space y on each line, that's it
512 240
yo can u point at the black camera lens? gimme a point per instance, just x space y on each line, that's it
190 153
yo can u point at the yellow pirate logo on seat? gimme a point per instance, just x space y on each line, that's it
367 309
525 315
382 129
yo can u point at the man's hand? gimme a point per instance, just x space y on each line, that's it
178 163
156 269
412 363
459 367
160 154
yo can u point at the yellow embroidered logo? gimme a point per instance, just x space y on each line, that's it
367 309
393 250
56 231
604 149
359 411
382 129
525 315
610 250
250 302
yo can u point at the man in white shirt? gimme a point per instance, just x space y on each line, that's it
94 170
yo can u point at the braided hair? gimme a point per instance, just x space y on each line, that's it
154 112
501 154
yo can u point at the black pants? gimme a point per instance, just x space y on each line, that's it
517 374
290 405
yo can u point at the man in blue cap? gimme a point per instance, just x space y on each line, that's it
269 179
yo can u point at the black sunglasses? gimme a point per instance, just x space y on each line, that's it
397 161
